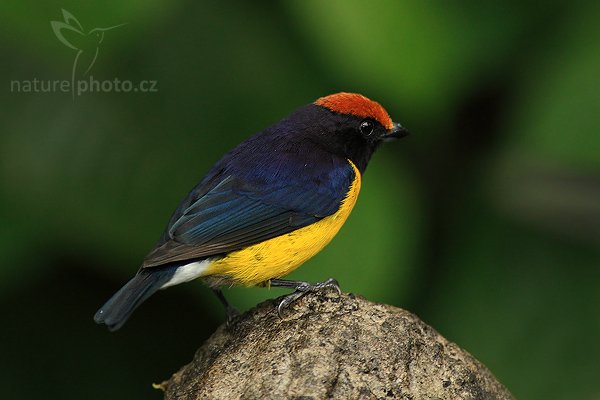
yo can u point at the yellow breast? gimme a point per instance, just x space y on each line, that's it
277 257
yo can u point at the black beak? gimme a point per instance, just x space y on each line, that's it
397 132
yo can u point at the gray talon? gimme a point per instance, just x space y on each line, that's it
301 288
230 311
287 301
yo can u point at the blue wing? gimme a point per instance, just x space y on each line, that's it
227 212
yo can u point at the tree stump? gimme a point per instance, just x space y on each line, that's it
331 347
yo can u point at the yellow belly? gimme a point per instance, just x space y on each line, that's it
277 257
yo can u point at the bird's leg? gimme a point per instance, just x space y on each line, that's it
301 288
230 310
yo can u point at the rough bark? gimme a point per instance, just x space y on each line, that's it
330 346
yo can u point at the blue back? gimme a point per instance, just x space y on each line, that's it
271 184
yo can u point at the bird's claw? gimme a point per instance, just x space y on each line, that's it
231 313
331 283
287 300
304 288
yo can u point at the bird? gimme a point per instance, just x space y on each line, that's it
265 207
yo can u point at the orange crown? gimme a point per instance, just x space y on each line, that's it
357 105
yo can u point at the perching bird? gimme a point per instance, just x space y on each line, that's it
266 207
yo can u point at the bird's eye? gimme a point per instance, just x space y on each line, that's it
366 127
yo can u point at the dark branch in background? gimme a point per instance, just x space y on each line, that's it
448 168
448 175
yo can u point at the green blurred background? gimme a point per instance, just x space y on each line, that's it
485 222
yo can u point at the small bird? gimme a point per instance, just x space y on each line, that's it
266 207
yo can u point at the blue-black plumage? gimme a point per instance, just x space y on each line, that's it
294 174
144 284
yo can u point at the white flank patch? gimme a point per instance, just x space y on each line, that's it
187 273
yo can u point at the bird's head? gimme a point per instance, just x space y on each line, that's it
349 125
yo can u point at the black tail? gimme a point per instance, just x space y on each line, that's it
119 307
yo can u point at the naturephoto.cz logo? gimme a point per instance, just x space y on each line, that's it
87 49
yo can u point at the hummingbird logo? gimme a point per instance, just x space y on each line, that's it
71 34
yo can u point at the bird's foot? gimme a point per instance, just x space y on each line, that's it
231 313
301 289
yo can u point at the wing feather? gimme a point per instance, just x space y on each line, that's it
235 214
